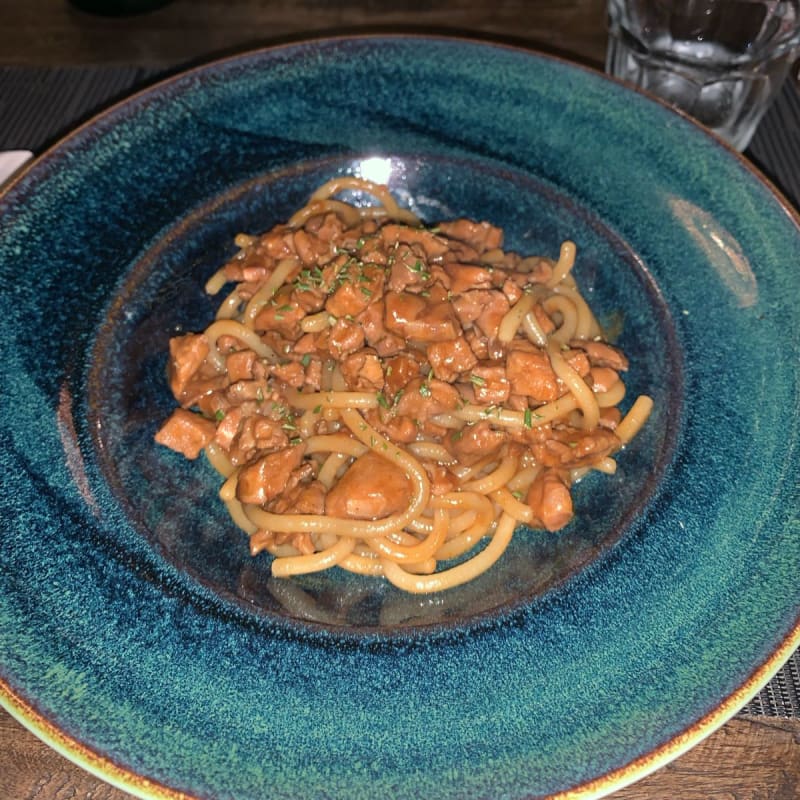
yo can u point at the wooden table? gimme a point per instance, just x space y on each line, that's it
750 758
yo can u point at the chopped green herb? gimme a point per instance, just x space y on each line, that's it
296 440
219 415
259 395
306 359
477 380
366 292
528 418
517 495
318 409
425 390
382 401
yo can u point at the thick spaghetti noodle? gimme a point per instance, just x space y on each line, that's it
383 396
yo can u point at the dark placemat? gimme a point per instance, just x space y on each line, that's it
38 105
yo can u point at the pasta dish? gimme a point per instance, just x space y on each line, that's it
393 398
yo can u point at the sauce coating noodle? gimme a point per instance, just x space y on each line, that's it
382 396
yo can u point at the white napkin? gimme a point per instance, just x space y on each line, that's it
11 161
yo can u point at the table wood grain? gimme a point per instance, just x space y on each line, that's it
749 758
53 32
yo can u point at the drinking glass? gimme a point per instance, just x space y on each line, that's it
721 61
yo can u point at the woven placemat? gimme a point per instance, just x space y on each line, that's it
39 104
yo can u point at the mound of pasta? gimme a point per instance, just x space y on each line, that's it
384 396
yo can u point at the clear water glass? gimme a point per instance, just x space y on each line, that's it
721 61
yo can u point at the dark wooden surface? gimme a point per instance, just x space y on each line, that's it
750 758
54 32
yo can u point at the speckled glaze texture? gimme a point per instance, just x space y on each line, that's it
136 634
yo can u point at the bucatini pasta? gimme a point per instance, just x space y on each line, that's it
395 399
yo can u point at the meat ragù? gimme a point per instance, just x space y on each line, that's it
388 397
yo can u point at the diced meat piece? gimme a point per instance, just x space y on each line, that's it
372 488
409 270
478 344
578 360
398 429
327 227
400 370
490 384
433 246
550 499
345 337
292 373
308 248
186 355
228 344
241 391
186 432
442 480
308 300
467 277
492 313
313 377
307 343
278 243
372 323
603 378
480 235
239 365
305 498
268 434
572 447
228 427
424 399
203 392
535 269
419 319
610 418
528 368
363 372
356 291
268 476
280 314
512 291
602 354
485 308
469 305
474 442
545 322
451 359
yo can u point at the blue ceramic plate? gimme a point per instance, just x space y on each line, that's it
138 636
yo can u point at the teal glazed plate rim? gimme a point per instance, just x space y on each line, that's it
137 635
